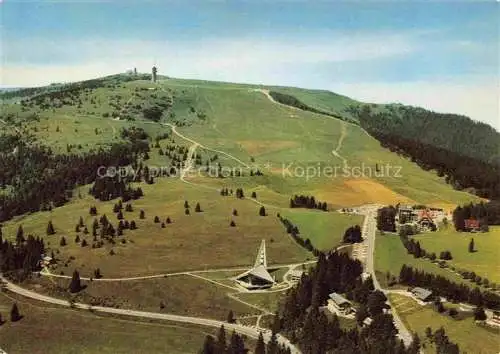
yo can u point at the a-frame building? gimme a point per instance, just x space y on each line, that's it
257 277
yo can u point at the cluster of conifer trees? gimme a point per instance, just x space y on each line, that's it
353 234
108 188
293 231
40 180
19 259
290 100
462 172
302 321
236 344
305 201
451 132
386 219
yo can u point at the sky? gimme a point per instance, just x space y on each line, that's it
441 55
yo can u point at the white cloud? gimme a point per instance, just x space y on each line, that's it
477 98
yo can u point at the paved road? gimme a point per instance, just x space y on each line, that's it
369 232
248 331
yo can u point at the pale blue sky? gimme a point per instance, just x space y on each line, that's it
442 55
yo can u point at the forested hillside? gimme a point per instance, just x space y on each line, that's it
462 172
452 132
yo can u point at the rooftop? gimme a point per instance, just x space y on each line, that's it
421 293
258 272
339 299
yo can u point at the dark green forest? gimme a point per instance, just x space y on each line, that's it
452 132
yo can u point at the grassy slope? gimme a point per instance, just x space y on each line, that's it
485 262
325 230
269 301
191 242
56 330
325 101
181 295
470 337
245 123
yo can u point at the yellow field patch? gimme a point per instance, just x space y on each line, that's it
358 191
258 147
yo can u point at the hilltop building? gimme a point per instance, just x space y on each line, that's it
258 276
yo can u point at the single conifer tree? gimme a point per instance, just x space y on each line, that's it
20 235
75 285
260 347
14 313
230 317
471 245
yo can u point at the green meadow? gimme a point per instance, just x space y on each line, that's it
485 261
61 331
324 229
470 337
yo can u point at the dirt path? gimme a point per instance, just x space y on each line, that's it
335 152
47 273
188 164
174 130
343 134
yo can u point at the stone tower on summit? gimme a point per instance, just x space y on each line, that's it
154 70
